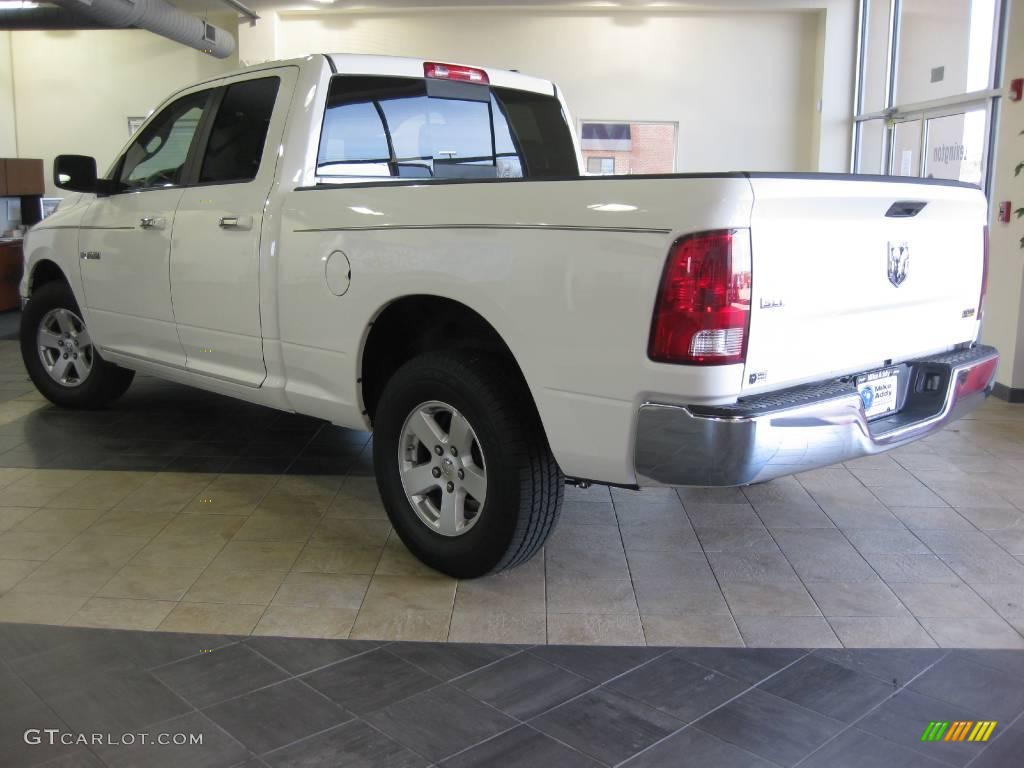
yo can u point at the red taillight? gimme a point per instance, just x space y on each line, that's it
454 72
977 378
984 273
702 314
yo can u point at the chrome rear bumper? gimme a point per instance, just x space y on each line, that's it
807 427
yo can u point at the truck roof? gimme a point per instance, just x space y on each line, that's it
402 66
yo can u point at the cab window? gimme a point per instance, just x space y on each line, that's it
235 147
409 127
157 157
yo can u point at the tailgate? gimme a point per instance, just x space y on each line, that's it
848 277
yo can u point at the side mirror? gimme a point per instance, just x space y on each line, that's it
75 173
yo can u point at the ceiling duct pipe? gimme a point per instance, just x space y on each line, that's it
159 17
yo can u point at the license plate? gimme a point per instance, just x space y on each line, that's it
879 391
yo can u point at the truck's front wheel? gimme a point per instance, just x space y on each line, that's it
59 353
463 465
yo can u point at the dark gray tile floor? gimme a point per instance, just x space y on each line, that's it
269 701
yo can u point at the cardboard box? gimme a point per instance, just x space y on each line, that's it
21 176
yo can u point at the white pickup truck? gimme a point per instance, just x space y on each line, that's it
410 247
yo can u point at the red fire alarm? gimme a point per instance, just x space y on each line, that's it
1004 212
1016 89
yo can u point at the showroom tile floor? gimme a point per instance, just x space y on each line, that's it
280 702
184 511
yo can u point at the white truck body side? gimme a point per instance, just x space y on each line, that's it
269 288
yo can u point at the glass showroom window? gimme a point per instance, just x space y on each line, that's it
927 92
627 148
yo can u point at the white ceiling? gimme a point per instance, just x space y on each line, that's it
217 6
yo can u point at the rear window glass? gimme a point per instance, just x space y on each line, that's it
416 128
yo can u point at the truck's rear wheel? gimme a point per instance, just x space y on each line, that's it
59 354
463 466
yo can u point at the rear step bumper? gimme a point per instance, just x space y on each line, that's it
794 430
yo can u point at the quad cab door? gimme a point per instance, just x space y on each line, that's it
215 259
125 237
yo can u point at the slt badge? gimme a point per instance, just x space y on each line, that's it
899 259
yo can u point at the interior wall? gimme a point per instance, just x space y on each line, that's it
742 86
75 90
1004 307
8 138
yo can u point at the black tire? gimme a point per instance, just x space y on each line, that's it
525 487
105 382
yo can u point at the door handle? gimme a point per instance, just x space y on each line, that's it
152 222
236 222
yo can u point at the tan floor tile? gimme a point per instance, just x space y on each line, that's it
119 613
1007 599
675 536
231 495
786 632
993 518
587 513
516 591
313 486
29 608
586 550
293 621
679 597
357 508
360 487
292 525
322 590
870 598
400 624
421 593
176 552
95 549
119 522
16 495
365 533
213 527
691 630
54 578
60 479
13 571
881 632
11 516
922 569
688 567
101 490
167 492
326 557
150 582
246 587
9 475
568 594
29 545
258 555
942 601
212 618
497 627
782 598
595 629
288 502
399 561
18 408
972 633
59 520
